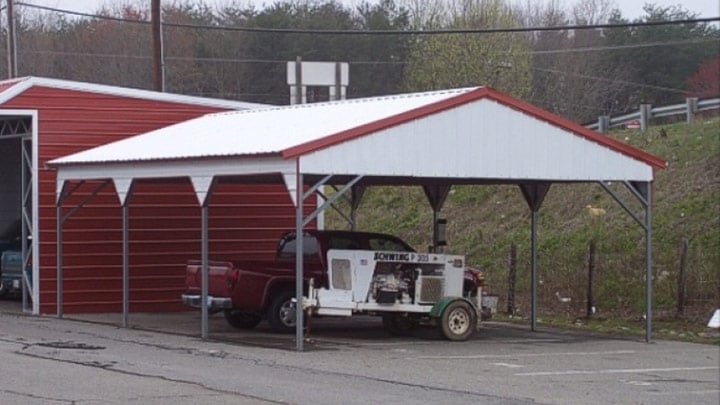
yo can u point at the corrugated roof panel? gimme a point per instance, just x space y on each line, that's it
12 87
258 131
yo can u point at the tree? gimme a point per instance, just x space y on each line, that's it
378 66
571 77
661 71
498 60
706 81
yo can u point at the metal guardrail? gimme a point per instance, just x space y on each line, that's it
645 113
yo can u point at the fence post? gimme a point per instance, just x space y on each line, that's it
692 107
512 279
645 115
682 278
603 123
591 276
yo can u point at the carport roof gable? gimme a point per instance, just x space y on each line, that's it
467 97
341 122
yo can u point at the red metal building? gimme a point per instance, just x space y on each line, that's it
42 119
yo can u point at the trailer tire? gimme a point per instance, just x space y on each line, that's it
281 312
399 325
242 319
458 321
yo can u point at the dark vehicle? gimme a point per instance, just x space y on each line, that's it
10 260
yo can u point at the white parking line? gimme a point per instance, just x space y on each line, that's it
518 355
508 365
696 392
616 371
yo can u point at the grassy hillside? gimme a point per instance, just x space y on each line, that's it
483 222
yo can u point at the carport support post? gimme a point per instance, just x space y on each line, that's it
299 263
643 192
533 270
126 264
648 261
61 194
59 257
204 271
534 194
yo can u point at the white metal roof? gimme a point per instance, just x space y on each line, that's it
455 136
258 131
18 85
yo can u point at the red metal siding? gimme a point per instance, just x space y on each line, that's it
245 220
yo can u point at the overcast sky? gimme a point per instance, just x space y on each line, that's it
630 8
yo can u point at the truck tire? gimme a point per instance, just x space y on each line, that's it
458 321
242 319
281 312
398 325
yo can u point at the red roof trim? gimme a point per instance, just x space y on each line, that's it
484 92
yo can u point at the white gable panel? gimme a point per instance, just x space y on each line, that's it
481 139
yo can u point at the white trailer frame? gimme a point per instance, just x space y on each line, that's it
353 274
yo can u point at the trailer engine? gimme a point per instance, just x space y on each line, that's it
392 283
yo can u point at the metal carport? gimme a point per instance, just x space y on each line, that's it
434 139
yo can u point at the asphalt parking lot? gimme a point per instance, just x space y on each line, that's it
347 361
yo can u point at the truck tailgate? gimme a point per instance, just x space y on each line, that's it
219 277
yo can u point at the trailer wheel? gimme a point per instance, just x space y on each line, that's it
398 325
281 313
242 319
458 321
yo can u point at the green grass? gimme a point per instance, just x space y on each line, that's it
669 329
483 222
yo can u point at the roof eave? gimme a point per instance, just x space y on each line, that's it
54 164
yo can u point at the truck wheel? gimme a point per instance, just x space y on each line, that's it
458 321
242 319
3 290
398 325
281 313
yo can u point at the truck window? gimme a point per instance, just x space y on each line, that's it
287 246
340 242
389 244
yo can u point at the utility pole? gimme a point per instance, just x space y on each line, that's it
11 41
157 42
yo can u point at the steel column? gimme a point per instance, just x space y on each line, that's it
59 258
643 193
204 275
126 263
648 263
533 270
299 264
534 194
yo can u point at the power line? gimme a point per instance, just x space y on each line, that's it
602 79
269 61
385 32
618 47
80 14
366 62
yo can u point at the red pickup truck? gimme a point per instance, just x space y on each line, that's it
248 292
